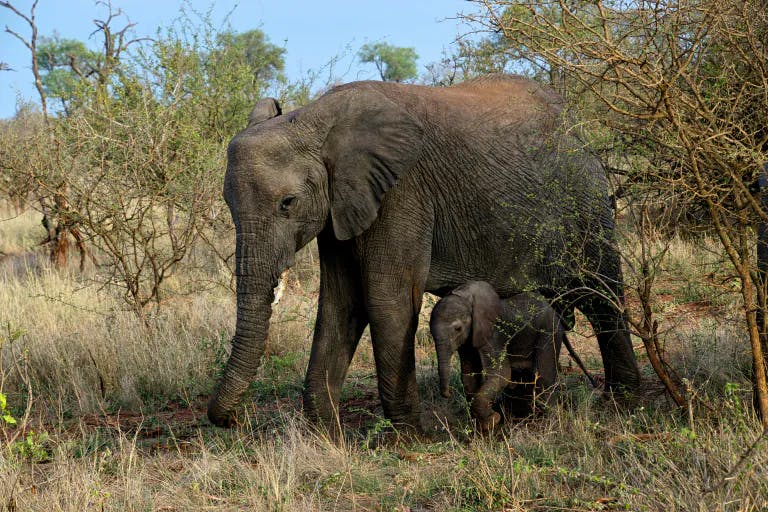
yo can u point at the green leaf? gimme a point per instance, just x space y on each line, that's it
395 63
9 419
3 402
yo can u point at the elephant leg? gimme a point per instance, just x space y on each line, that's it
482 404
393 320
396 257
610 327
341 320
545 364
471 371
517 398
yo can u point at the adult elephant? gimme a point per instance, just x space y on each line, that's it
411 189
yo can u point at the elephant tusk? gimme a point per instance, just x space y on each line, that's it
280 288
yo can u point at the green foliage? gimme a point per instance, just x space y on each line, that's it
236 70
20 136
280 376
469 59
139 150
394 63
131 164
66 65
10 336
5 415
33 447
253 50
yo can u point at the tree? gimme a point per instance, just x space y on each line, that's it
236 70
394 63
680 86
130 162
144 155
64 64
468 60
22 135
69 71
253 50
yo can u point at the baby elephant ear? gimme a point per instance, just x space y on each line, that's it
373 141
486 308
266 108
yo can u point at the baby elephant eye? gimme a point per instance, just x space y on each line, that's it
286 203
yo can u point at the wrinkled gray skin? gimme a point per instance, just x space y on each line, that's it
500 343
411 189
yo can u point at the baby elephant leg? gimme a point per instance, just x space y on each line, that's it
471 373
545 368
482 404
518 398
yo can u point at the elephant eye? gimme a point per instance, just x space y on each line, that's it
286 203
457 327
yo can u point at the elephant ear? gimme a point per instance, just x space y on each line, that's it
486 308
266 108
372 142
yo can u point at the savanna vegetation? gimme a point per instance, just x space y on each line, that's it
116 282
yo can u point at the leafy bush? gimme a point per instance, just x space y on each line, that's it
131 163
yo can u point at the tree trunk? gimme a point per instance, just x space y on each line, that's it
762 272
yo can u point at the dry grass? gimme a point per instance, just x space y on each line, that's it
20 230
118 414
583 457
82 345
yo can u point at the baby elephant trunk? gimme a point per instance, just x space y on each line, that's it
444 368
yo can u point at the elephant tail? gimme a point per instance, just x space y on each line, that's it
578 360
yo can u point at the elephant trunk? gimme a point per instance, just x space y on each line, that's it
255 286
444 368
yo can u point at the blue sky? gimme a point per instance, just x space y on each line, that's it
313 32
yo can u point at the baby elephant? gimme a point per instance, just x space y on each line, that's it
500 342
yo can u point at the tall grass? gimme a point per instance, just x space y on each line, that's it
81 344
118 415
586 456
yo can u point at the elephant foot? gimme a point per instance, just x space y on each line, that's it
223 421
482 411
410 424
330 429
323 420
405 416
622 397
221 418
489 423
624 386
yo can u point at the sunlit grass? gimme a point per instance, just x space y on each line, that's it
117 418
